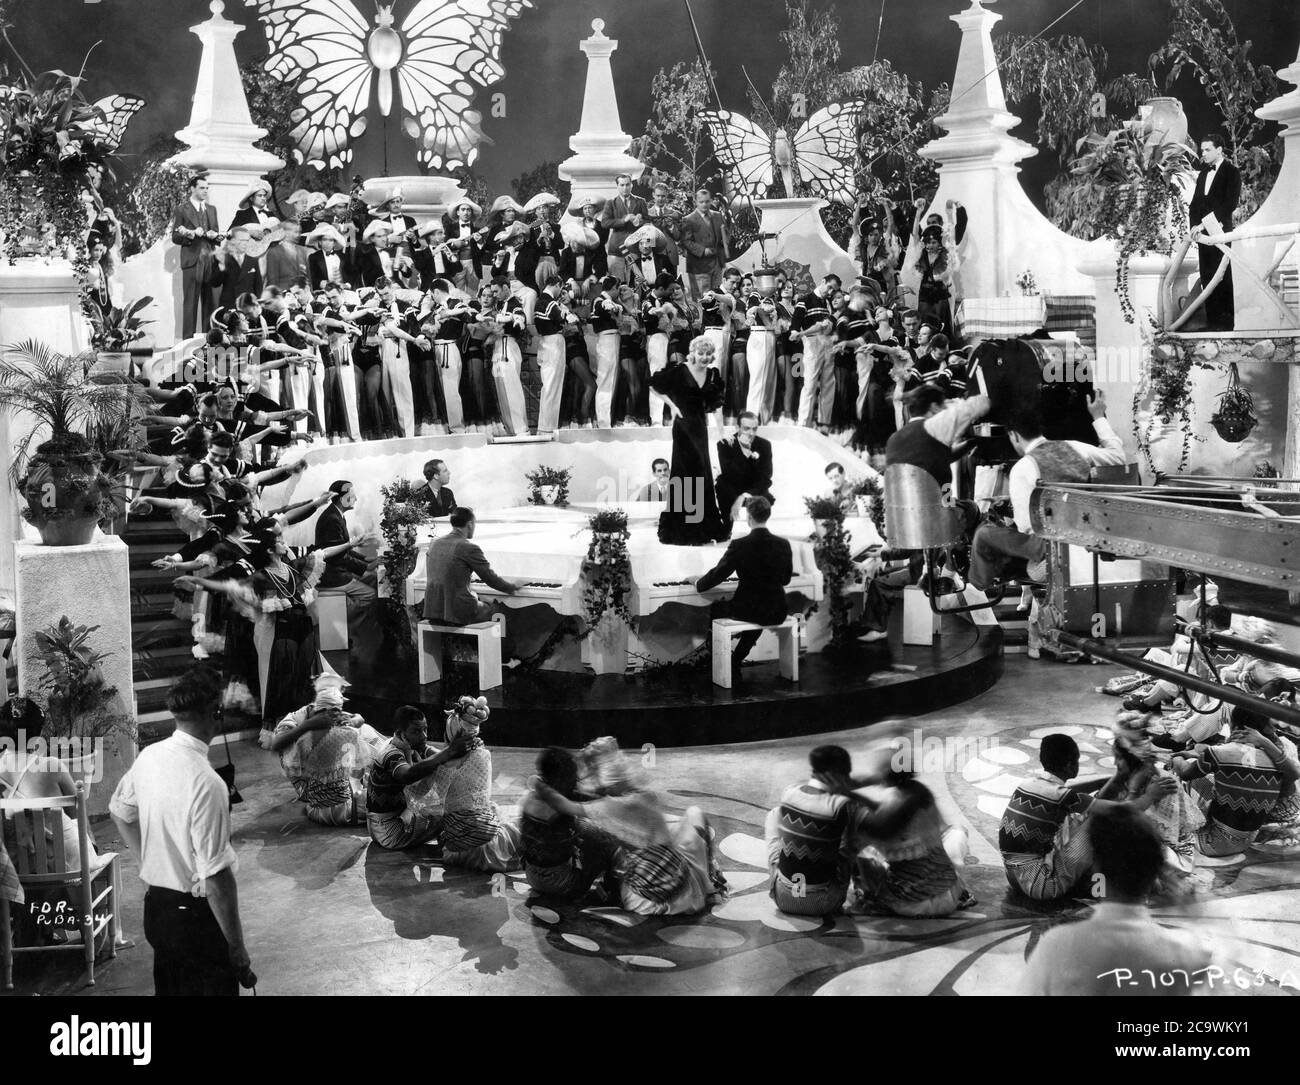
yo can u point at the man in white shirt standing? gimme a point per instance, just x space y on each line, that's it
1119 949
1042 460
174 811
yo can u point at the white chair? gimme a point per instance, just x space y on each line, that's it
42 864
487 636
725 631
332 612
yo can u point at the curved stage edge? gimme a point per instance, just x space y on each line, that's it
855 688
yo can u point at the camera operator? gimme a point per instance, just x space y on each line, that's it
174 811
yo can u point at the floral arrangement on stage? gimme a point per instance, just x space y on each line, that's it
116 329
834 559
1027 283
403 512
607 569
76 697
549 485
873 490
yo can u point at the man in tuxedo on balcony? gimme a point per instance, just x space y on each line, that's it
195 230
1218 188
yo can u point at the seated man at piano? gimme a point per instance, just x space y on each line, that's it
436 494
764 565
452 560
744 468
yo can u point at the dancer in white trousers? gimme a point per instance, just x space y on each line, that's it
657 316
549 322
606 314
392 351
508 360
760 359
813 324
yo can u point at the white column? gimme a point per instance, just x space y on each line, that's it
600 143
978 160
221 132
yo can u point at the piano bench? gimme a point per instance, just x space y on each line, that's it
488 637
725 630
332 613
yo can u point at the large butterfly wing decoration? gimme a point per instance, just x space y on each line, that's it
324 43
742 147
826 147
116 111
453 47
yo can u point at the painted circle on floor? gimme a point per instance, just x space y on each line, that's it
702 937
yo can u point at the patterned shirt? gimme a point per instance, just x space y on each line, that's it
1246 784
1035 814
812 826
384 795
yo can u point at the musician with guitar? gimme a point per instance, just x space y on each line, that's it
466 242
195 230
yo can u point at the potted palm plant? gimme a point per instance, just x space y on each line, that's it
66 493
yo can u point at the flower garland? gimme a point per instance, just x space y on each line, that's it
544 476
607 569
402 514
834 559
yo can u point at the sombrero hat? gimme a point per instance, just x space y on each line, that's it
305 201
542 199
376 227
514 232
572 231
589 200
464 201
426 228
642 233
505 203
257 186
323 231
338 199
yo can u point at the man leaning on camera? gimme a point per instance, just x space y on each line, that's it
173 810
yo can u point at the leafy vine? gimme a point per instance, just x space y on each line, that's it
542 477
831 552
607 569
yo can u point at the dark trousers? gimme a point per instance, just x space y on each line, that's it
190 954
197 299
1220 310
995 548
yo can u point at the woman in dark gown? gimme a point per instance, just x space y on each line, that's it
693 390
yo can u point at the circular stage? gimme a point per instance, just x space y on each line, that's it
680 707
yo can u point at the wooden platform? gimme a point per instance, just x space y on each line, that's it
865 683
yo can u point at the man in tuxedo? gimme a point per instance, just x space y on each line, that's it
330 262
704 237
764 565
437 495
349 572
194 229
623 214
1218 188
238 273
744 468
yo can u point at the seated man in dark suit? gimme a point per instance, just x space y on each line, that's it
764 565
349 572
452 560
437 495
744 468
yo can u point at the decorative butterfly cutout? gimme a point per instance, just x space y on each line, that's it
109 129
444 51
823 150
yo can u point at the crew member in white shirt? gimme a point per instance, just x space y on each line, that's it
173 810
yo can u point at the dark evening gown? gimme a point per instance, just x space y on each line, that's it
692 517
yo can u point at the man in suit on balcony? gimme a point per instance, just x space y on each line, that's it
1218 188
704 237
194 229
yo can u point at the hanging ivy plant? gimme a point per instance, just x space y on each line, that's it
607 569
1166 385
834 559
873 490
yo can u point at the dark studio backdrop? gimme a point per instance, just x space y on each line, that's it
146 49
